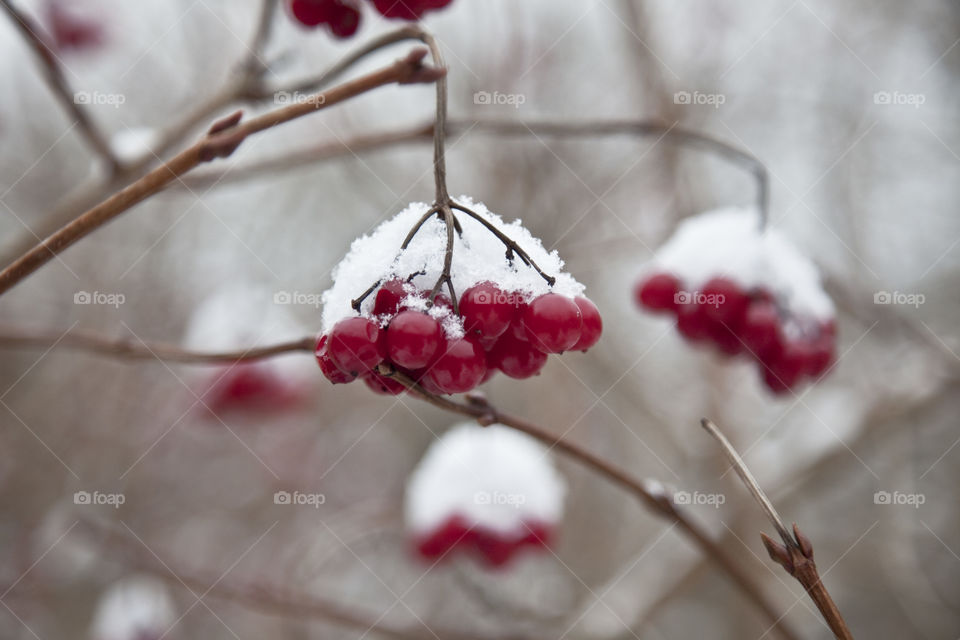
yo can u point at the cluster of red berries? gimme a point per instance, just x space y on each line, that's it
343 16
788 348
502 333
492 547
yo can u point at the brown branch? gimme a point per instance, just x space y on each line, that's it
795 555
53 74
221 141
135 349
651 494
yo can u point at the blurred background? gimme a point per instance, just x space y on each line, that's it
851 106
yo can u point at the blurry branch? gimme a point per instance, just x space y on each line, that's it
221 141
795 555
650 493
53 74
266 599
501 128
135 349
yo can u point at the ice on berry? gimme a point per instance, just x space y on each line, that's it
133 608
489 490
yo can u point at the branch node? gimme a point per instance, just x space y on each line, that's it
778 553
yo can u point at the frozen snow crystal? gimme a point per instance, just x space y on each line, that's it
493 477
478 256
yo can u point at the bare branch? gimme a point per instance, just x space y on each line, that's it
137 350
58 85
795 555
224 137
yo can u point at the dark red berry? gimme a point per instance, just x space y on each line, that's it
327 366
407 9
692 323
486 310
345 20
355 345
516 358
658 292
460 366
70 31
592 325
516 328
448 535
312 13
382 384
552 323
388 298
725 302
413 339
785 371
760 330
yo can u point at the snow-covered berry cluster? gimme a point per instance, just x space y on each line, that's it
508 318
342 17
747 291
491 492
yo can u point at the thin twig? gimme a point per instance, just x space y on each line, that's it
135 349
652 494
795 555
221 141
53 74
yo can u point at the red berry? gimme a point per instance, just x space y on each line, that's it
312 13
388 298
784 372
355 345
552 323
592 325
516 358
692 323
725 302
820 357
486 310
382 384
345 21
407 9
329 369
658 292
448 535
516 329
761 331
460 366
413 339
495 549
70 31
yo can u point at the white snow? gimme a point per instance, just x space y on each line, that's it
132 608
728 242
493 476
132 144
477 256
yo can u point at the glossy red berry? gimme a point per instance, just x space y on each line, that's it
761 332
388 298
516 328
355 345
330 370
486 310
658 292
460 366
552 323
516 358
345 20
312 13
413 339
592 325
407 9
382 384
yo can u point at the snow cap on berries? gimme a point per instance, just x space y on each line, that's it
133 608
478 256
492 477
729 242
